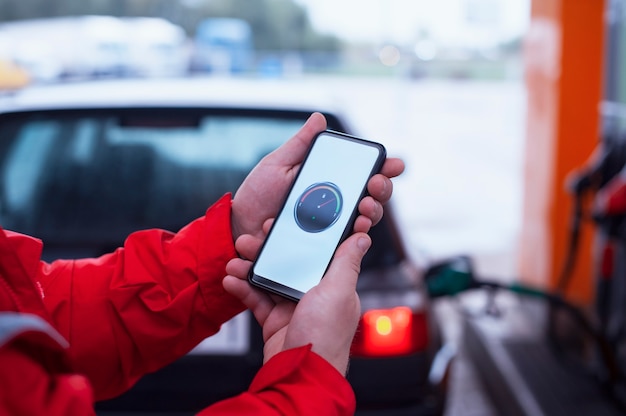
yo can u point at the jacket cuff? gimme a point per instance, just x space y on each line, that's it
215 249
301 379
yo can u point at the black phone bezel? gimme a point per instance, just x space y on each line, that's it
289 292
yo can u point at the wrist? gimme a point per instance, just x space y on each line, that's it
235 227
338 359
239 219
301 369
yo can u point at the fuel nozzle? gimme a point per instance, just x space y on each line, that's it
450 277
605 162
611 198
607 176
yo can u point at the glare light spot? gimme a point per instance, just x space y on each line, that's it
402 317
389 55
383 325
426 50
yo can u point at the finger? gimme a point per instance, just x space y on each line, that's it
238 268
248 246
344 270
362 224
294 150
267 225
380 188
371 209
392 167
258 302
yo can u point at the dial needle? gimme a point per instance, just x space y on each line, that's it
327 202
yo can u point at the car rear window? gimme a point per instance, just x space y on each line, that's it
86 180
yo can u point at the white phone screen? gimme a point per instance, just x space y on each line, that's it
317 211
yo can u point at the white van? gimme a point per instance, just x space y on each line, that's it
157 47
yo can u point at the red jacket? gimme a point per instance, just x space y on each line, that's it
89 329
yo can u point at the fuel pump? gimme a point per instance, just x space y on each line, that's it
598 191
610 216
601 181
595 180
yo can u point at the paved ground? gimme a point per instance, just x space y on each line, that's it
467 396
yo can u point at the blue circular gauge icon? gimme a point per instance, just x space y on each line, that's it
318 207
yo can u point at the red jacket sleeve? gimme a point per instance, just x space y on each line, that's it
26 388
145 305
34 375
294 382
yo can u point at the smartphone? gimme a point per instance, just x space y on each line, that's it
317 214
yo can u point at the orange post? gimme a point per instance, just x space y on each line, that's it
564 72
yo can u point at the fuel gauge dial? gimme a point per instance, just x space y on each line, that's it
318 207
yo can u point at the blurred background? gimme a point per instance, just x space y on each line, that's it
439 83
491 103
404 69
457 38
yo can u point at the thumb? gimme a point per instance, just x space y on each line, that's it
293 151
346 265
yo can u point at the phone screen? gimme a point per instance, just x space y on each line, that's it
318 213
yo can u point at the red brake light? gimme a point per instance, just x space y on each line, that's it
385 332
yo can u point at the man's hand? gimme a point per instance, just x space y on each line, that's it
326 316
260 195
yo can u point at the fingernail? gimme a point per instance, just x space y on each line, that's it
363 243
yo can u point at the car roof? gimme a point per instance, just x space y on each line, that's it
201 92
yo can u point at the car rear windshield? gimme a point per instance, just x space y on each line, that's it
82 181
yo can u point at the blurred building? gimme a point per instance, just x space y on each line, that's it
62 48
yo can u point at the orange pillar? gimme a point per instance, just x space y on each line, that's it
564 68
